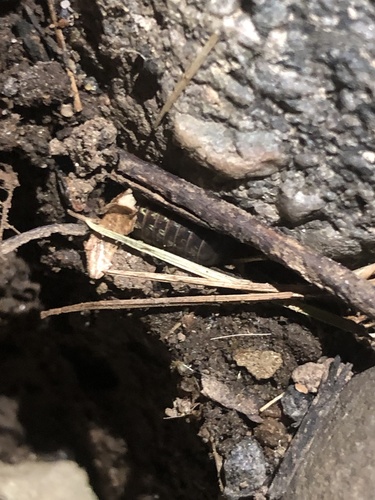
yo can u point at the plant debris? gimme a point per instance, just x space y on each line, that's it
120 217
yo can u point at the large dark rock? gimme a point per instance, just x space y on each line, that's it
340 462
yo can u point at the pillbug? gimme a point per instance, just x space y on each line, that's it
161 230
177 236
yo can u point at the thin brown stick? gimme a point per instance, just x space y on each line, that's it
187 76
221 337
270 403
327 317
15 242
231 220
58 31
77 104
166 302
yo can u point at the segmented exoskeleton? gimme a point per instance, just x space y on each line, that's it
165 231
178 237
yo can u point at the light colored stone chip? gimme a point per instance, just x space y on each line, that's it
61 480
261 364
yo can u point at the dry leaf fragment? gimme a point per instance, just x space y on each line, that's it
182 408
120 217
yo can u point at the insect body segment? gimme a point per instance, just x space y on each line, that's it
195 244
153 227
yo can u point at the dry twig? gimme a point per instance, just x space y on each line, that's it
15 242
187 76
270 403
77 104
167 302
241 335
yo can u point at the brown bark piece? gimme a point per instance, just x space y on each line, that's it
226 218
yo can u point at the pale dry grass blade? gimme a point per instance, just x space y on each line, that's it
186 77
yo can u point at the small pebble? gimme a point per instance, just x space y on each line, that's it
66 110
245 469
295 404
309 375
301 388
271 433
181 337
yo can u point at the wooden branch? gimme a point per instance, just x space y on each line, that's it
194 202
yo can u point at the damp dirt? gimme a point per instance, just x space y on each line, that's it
152 404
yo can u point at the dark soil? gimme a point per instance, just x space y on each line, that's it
121 393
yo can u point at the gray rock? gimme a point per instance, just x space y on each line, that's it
235 155
340 461
245 469
295 404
